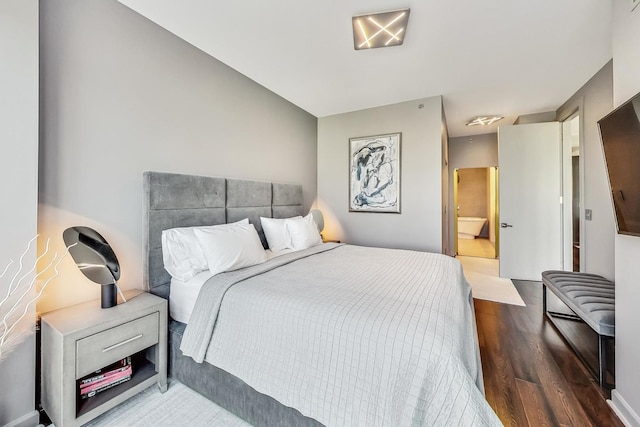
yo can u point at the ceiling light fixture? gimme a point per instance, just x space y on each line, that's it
484 120
384 29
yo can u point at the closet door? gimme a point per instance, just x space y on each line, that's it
530 178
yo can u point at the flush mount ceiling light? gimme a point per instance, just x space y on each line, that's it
384 29
484 120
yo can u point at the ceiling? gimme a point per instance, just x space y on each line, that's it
501 57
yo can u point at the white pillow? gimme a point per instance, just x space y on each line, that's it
275 233
228 249
302 233
181 253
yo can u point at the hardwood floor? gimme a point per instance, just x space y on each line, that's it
531 375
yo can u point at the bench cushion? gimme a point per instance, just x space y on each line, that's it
590 296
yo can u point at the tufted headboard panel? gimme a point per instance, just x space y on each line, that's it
176 200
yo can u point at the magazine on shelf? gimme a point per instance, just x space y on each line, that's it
84 388
107 371
88 394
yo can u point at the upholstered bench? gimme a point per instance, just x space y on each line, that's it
592 299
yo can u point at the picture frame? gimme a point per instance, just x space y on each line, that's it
374 173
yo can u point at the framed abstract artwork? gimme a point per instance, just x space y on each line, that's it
374 174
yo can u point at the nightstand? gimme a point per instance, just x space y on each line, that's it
83 338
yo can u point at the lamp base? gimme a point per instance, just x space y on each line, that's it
108 296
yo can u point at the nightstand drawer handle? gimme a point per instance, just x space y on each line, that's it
111 347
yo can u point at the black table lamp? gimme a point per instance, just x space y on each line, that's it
95 259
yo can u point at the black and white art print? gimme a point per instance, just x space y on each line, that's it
374 182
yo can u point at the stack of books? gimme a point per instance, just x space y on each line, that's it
105 378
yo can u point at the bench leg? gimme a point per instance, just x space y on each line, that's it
602 356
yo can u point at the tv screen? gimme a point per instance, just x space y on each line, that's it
620 136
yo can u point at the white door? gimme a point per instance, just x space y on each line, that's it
529 157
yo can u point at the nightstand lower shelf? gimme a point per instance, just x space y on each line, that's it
141 375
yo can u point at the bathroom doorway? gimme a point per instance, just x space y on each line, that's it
475 197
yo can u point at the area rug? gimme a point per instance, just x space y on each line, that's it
482 275
178 406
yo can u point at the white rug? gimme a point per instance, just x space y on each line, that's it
178 406
482 275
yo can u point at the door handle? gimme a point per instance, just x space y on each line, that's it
505 225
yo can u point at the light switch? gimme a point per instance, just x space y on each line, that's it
587 214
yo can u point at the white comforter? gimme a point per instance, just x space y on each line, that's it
350 336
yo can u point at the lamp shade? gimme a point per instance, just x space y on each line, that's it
95 259
318 218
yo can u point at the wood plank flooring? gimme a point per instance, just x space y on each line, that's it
531 375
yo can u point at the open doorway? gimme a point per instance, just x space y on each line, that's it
572 197
476 201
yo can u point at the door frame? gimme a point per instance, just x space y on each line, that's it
496 219
455 211
496 207
572 110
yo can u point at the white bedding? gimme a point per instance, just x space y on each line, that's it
183 295
349 336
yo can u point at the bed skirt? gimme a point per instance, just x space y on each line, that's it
228 391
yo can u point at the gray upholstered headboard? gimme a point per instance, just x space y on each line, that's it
175 200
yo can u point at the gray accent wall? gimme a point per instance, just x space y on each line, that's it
419 225
121 95
626 83
19 188
594 100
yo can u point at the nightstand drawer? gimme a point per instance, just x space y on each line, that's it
101 349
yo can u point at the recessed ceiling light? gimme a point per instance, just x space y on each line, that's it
484 120
384 29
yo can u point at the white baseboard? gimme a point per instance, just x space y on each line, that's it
622 409
27 420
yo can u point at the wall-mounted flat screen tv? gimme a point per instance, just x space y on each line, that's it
620 136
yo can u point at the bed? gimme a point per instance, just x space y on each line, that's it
330 335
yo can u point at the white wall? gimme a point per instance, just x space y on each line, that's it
120 96
419 226
595 100
19 189
626 83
